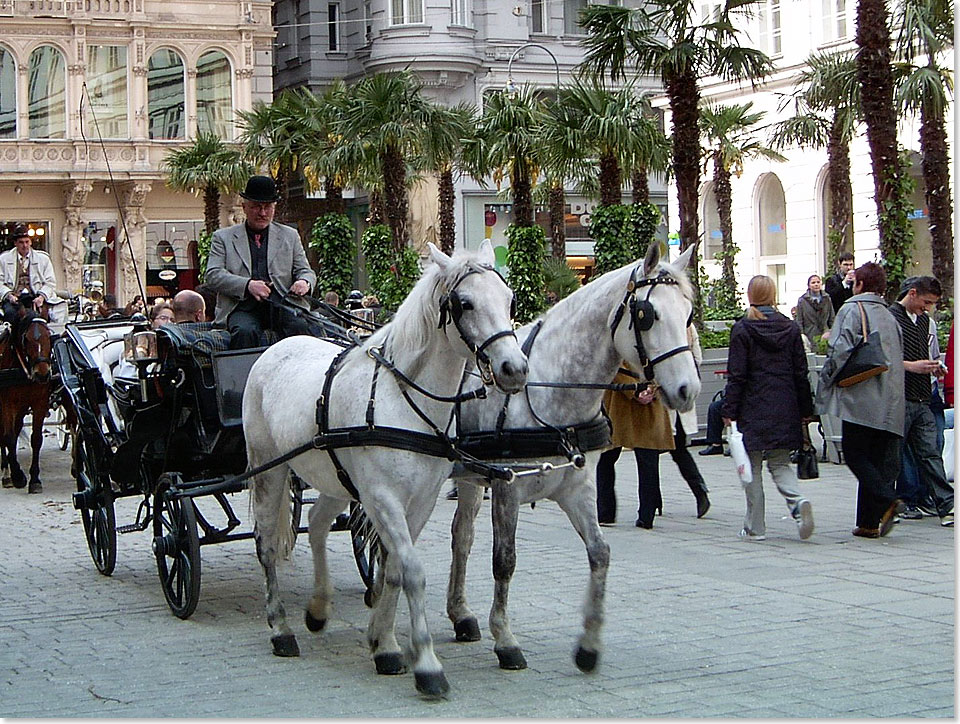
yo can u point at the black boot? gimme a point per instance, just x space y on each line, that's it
699 490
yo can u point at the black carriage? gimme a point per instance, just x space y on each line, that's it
159 416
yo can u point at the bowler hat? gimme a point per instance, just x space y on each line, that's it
260 188
18 231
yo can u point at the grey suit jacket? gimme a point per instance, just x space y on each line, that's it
229 268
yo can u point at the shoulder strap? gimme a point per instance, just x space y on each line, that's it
863 320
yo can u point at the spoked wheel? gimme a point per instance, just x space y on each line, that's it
95 502
367 550
177 548
63 430
297 486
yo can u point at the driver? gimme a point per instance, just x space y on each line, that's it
254 262
25 270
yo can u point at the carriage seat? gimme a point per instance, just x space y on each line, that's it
199 341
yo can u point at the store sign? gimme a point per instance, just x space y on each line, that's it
167 275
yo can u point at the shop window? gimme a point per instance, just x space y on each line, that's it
38 231
8 95
165 95
105 107
47 94
172 256
214 95
99 257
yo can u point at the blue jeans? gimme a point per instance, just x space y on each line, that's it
909 488
923 435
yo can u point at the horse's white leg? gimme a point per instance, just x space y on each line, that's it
321 515
506 510
405 571
578 499
462 531
381 633
274 536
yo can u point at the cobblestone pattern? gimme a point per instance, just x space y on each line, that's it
699 623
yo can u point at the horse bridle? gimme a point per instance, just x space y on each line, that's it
30 369
451 309
642 317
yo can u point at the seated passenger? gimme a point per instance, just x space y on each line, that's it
188 306
251 262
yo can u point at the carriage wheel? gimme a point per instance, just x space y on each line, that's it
297 486
96 509
63 431
177 548
367 550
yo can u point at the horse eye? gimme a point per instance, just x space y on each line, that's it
466 305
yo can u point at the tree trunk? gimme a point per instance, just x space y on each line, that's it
610 183
334 194
376 215
558 226
640 186
936 178
522 196
841 190
447 200
684 100
723 194
395 196
282 192
211 208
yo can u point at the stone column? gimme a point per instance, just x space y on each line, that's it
71 244
133 242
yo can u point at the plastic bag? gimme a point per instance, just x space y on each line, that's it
739 453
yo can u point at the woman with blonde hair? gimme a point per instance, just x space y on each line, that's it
768 396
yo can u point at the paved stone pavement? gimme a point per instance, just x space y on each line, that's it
699 623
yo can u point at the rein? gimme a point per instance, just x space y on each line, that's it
29 366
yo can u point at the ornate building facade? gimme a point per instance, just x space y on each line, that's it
93 96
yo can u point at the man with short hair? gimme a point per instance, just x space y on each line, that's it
188 306
840 285
24 269
251 262
920 428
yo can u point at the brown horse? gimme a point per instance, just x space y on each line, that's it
27 349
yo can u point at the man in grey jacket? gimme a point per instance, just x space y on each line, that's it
23 269
252 262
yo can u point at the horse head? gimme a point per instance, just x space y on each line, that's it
650 327
474 308
33 344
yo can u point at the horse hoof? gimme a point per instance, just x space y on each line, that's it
432 683
314 624
6 482
586 660
285 645
19 481
369 598
390 664
35 487
467 629
511 659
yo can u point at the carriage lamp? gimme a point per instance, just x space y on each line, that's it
140 347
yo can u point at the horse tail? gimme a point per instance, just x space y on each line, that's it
286 536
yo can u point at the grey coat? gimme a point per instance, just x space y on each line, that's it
229 268
813 317
876 402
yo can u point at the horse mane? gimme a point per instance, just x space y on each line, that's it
418 316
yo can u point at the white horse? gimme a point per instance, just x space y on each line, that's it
638 313
397 487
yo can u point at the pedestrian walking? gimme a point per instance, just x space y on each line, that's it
768 396
840 285
815 312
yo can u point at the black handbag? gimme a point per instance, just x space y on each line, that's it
807 467
867 359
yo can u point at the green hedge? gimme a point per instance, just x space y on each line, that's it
390 276
332 239
526 249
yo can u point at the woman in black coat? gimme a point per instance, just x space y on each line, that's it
768 396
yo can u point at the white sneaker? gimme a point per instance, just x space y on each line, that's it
743 535
805 519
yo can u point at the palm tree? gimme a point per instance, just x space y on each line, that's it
827 110
729 134
444 137
565 159
926 28
665 38
207 166
386 115
875 75
650 153
330 160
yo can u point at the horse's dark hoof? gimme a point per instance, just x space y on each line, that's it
6 482
511 658
314 624
19 481
432 683
390 664
586 660
285 645
467 629
35 487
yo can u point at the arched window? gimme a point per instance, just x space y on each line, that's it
105 106
8 95
712 235
47 93
214 95
772 228
165 94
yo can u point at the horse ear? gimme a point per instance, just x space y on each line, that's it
439 258
684 259
485 255
652 258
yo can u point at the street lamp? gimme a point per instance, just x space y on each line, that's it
511 86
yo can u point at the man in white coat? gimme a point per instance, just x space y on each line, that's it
251 262
24 269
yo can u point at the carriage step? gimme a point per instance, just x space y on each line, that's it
133 528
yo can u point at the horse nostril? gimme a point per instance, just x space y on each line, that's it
511 370
683 392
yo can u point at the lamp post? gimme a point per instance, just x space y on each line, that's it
511 87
